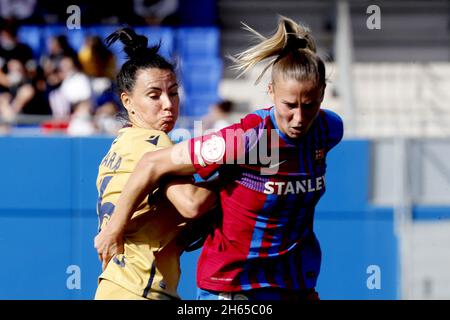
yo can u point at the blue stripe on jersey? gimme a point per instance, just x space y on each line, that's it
262 113
280 270
261 276
244 279
294 269
286 216
257 238
311 256
304 214
298 231
260 226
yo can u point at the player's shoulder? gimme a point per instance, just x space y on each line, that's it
256 118
332 118
261 113
147 137
335 126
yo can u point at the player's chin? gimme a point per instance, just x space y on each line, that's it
296 133
167 126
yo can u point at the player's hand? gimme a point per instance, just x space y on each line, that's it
108 244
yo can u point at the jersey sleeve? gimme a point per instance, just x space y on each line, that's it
226 146
335 127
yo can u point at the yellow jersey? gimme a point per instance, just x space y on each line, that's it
150 264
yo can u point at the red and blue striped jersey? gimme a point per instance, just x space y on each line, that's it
270 186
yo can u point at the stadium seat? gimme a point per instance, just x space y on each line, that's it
154 35
201 76
74 37
31 35
198 43
196 105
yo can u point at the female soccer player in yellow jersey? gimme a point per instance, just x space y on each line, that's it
149 267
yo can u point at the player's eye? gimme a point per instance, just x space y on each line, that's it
308 106
291 105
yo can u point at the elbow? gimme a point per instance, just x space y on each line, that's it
190 210
196 207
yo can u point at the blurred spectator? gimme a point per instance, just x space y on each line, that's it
157 12
96 59
218 115
58 47
100 64
109 12
106 120
81 122
11 48
21 10
75 84
54 12
72 101
23 95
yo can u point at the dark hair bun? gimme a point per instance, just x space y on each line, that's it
140 57
134 45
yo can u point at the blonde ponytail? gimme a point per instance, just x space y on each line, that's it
289 37
288 33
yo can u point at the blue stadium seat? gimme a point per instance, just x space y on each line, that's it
197 48
31 35
198 43
198 105
201 76
75 37
154 35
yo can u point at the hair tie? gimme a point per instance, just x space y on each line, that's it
293 44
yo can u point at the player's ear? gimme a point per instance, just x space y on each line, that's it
126 100
271 91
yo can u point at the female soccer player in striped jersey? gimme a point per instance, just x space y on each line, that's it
264 246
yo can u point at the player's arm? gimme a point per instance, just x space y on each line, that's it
189 199
207 152
147 174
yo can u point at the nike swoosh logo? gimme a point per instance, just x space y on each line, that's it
276 164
